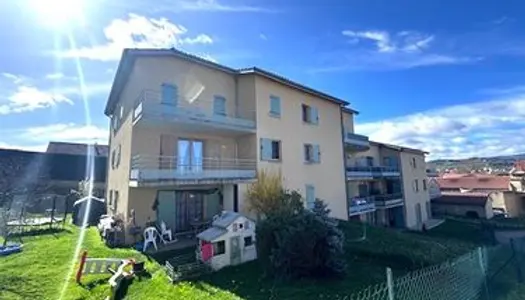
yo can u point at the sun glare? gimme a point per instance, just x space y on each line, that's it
59 13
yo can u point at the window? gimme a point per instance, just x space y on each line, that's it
169 94
424 184
117 160
416 186
275 106
110 198
121 112
270 149
247 224
414 162
219 248
369 161
248 241
219 106
311 153
115 200
310 114
234 227
387 161
113 159
310 196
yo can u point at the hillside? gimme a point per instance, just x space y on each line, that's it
496 163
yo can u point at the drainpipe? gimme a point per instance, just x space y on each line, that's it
347 193
400 164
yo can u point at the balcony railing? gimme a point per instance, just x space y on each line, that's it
372 172
361 205
357 141
149 106
198 170
389 200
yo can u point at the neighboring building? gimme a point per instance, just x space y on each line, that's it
188 136
504 192
473 205
386 184
77 149
24 172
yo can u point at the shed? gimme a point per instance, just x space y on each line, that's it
229 241
93 206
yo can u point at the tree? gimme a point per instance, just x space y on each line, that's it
265 196
293 242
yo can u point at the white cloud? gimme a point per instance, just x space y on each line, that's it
382 50
36 138
137 32
28 98
16 79
90 88
205 6
68 132
55 76
486 128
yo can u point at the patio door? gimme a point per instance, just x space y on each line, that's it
189 155
166 209
189 208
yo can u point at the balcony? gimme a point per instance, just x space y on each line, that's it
361 205
170 170
150 109
369 173
356 142
389 200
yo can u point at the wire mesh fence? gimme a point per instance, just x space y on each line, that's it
484 273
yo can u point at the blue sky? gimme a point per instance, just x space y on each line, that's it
444 76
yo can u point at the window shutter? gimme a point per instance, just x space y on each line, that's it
316 154
314 115
275 105
169 94
219 106
266 149
310 196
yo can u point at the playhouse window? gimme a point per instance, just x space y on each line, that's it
219 248
248 241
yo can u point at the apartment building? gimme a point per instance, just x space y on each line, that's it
188 136
386 185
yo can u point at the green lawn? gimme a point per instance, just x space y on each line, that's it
41 270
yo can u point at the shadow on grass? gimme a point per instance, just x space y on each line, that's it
37 232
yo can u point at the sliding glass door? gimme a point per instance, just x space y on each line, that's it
190 155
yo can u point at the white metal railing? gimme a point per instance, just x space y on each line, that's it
361 205
173 167
374 169
194 110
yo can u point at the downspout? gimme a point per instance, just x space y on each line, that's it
347 193
402 188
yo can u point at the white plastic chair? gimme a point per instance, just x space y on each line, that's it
150 236
165 232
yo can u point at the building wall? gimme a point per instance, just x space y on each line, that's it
510 202
462 210
118 177
348 122
410 173
353 157
328 177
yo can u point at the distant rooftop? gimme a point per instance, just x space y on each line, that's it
76 148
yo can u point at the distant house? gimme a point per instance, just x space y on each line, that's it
505 193
77 149
474 205
53 172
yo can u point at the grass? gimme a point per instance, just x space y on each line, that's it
41 270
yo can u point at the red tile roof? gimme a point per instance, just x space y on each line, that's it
474 182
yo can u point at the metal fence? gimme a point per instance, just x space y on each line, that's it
484 273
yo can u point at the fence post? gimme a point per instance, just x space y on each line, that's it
482 264
390 283
514 256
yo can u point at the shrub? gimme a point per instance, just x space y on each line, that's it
266 194
294 242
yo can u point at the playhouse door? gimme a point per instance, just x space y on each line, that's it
235 250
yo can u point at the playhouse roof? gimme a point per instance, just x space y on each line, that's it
211 234
226 219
